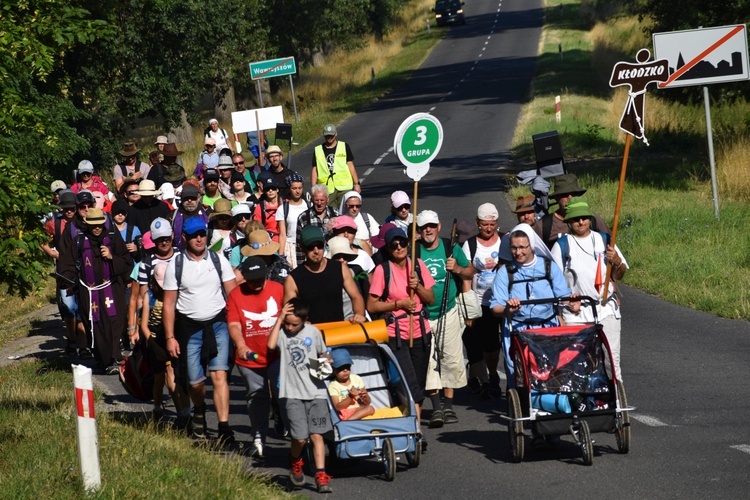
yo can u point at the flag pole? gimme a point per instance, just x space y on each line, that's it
618 205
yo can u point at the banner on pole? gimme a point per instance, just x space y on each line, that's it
244 121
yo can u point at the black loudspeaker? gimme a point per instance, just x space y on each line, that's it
284 131
547 147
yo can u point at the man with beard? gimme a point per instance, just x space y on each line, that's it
160 171
279 170
190 206
99 263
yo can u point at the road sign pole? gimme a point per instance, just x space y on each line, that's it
260 95
712 161
294 104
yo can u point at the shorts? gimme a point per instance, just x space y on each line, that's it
483 336
195 371
414 363
306 416
67 305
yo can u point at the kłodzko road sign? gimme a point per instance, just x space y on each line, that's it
703 56
417 142
272 68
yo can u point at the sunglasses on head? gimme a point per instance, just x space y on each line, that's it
395 244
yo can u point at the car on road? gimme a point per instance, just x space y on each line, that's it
449 12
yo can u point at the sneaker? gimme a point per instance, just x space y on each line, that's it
450 417
436 421
257 450
71 349
321 480
296 476
278 427
225 437
85 353
475 385
486 391
495 386
199 423
112 369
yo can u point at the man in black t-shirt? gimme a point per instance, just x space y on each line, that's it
279 171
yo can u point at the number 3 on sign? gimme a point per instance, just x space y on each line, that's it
421 135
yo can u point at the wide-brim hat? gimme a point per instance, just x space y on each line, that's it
340 246
95 217
170 149
259 243
524 204
148 188
221 207
129 149
174 173
162 139
273 149
577 207
567 184
67 199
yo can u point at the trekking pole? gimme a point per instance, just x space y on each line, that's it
440 335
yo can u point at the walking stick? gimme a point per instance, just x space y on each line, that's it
616 220
440 334
413 260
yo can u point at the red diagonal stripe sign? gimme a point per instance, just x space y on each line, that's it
674 76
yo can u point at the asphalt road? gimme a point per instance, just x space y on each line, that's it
686 371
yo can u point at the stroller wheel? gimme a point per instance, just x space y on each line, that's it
413 457
622 421
584 441
515 429
389 460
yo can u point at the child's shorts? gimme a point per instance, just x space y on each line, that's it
306 416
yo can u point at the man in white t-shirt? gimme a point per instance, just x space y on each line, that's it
196 284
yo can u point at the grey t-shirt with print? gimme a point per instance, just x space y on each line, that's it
295 380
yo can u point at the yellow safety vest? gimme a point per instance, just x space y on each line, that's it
342 178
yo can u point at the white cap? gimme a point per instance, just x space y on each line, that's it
427 217
241 208
160 228
85 166
399 198
167 191
487 211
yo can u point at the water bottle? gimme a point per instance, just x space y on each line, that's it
251 356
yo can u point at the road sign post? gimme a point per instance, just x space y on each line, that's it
418 141
271 68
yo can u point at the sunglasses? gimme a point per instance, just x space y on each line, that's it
210 146
131 193
212 181
318 245
243 216
578 219
238 163
120 213
353 206
85 173
165 239
199 234
270 188
404 207
394 245
190 198
86 205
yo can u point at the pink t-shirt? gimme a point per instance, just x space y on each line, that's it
399 289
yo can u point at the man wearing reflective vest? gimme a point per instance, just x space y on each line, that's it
333 165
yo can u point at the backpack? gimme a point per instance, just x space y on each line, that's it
366 217
386 265
179 262
512 269
136 374
286 208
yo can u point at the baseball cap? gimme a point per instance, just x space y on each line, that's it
487 211
161 228
210 141
270 182
393 233
343 221
329 129
399 198
167 191
194 225
340 358
85 166
85 196
57 186
190 190
427 217
378 241
253 268
147 241
212 120
310 235
241 208
211 175
264 176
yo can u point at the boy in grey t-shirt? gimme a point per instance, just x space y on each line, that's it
302 397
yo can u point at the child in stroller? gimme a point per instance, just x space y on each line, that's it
348 393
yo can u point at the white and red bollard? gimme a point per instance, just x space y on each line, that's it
558 109
88 441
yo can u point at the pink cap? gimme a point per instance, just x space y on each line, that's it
343 221
148 243
399 198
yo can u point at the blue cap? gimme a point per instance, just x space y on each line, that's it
194 225
341 357
393 233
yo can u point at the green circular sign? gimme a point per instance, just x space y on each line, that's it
418 139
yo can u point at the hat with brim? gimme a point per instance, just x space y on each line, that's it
577 207
174 173
67 199
339 247
221 207
340 357
524 204
395 233
148 188
259 243
194 225
162 139
567 184
273 150
225 163
310 235
253 268
129 149
95 217
378 241
170 149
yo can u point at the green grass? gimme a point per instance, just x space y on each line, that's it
39 449
14 324
667 231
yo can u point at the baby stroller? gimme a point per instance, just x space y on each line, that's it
565 384
379 438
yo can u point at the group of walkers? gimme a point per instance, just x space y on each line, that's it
233 267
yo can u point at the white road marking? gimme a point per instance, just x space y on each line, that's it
480 55
377 161
742 447
484 48
371 170
650 421
432 108
486 43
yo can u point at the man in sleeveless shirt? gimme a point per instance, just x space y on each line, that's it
319 282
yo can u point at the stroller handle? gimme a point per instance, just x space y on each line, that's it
585 300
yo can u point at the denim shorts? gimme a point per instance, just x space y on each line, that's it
67 304
195 371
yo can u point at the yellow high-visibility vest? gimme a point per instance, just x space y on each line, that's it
342 178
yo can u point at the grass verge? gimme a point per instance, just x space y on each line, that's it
15 323
667 231
39 450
